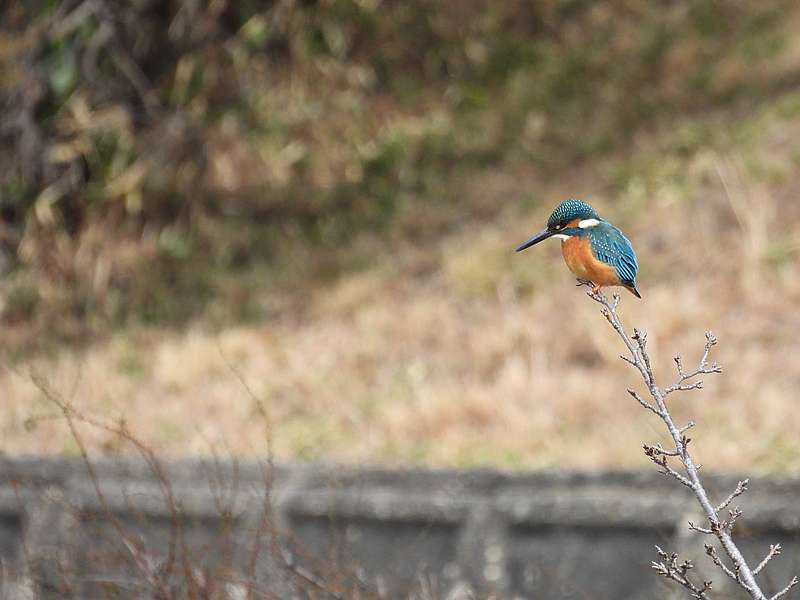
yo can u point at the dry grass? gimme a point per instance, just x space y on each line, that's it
462 353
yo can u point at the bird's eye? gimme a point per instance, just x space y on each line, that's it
559 227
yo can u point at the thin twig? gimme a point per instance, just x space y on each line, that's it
154 575
697 385
787 589
658 449
309 577
702 530
661 461
677 572
644 402
741 488
774 550
731 521
712 553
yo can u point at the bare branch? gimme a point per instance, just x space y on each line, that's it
712 552
640 337
671 569
658 449
644 402
730 522
787 589
774 550
741 488
661 461
702 368
697 385
628 360
702 530
721 529
309 577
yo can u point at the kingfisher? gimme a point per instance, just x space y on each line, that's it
595 250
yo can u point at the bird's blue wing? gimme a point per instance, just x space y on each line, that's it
613 248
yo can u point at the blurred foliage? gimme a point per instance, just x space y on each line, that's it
151 149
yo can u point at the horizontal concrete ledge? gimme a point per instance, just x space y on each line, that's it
515 534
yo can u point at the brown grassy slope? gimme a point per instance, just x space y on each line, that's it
458 352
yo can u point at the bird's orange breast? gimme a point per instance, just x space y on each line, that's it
580 259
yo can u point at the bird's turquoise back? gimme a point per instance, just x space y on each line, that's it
611 246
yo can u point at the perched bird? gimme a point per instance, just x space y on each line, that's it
593 248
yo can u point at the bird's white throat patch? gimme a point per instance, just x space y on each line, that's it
561 236
587 223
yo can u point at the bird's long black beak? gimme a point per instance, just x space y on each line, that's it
542 235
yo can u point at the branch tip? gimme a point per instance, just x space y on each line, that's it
741 488
787 589
703 530
670 568
774 550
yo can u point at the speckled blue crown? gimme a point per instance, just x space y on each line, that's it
569 210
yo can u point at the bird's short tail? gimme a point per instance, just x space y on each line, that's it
632 289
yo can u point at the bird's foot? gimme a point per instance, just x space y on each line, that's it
594 290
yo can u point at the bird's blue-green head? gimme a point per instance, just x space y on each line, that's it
570 213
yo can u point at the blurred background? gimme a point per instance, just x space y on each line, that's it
240 225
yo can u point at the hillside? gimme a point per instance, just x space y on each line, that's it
324 206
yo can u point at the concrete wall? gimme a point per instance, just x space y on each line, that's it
364 533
